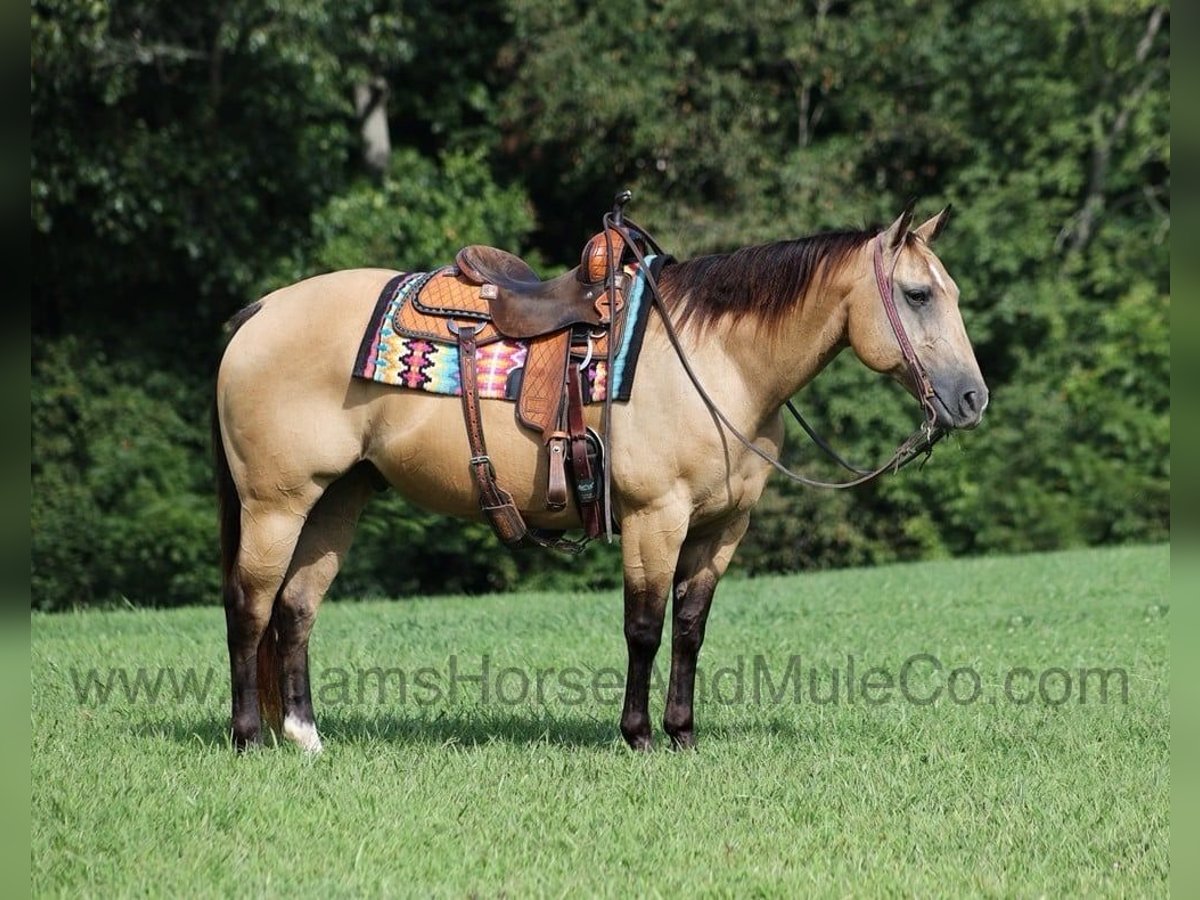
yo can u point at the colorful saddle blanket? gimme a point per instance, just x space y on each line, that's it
420 364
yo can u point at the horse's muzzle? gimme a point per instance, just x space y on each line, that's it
961 405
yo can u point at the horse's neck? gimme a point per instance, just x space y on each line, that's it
747 371
775 362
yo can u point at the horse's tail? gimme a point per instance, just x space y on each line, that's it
229 512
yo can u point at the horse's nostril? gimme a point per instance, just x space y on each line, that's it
970 402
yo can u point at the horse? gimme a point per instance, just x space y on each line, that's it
301 446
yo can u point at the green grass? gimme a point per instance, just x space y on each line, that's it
463 796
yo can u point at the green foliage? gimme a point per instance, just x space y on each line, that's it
122 505
182 148
185 159
414 218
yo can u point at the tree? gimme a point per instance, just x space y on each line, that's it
185 160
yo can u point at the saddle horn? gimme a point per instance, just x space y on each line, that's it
619 201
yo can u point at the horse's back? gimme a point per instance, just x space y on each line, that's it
341 280
292 411
317 320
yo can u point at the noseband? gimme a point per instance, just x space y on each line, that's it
919 443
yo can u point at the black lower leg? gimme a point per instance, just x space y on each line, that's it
693 599
243 636
643 632
294 622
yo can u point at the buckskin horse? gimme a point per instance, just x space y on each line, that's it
301 445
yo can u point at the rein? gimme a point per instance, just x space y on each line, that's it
919 443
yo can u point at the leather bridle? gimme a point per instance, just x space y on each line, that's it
919 443
883 283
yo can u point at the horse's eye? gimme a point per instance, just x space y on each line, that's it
917 296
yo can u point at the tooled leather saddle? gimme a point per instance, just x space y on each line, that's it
491 295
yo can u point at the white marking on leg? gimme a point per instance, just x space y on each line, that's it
302 734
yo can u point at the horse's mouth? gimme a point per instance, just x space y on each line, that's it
949 420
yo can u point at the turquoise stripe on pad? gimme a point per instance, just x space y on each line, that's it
631 315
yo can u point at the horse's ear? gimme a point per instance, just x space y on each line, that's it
929 230
894 236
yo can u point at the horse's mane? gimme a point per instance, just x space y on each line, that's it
765 282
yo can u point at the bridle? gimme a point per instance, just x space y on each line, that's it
883 283
919 443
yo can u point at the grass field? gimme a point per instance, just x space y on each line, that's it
1043 788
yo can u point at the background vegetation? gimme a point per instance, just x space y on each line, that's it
188 158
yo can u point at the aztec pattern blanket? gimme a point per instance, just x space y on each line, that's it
390 358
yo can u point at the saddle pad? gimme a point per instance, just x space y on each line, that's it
431 365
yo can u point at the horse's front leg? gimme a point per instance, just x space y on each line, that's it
650 545
702 562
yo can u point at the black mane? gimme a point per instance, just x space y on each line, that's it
766 281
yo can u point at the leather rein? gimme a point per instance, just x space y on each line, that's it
919 443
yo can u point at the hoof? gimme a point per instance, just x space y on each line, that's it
302 734
243 741
638 736
643 743
683 740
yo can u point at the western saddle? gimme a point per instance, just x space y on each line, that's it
491 295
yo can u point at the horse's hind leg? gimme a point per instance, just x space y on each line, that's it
323 544
269 533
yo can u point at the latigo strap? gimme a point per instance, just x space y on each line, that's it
496 503
587 490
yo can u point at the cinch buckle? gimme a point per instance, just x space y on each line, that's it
483 460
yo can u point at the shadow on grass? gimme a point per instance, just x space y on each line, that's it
352 728
465 728
197 730
470 728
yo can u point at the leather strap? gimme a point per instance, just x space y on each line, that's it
614 224
556 481
496 503
540 404
883 281
590 511
920 442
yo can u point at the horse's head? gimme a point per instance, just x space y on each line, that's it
926 300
